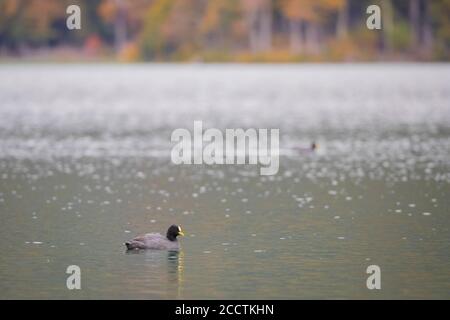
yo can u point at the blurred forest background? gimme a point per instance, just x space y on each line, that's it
225 30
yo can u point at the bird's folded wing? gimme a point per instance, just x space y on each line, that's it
147 236
140 238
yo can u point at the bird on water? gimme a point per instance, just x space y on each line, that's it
157 241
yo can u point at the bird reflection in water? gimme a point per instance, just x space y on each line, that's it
175 267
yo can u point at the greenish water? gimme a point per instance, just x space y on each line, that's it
85 165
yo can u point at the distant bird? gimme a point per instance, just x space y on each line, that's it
157 241
312 148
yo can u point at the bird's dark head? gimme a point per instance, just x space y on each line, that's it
173 232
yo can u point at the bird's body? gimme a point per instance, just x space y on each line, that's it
307 150
156 241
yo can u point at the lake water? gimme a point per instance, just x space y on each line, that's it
85 165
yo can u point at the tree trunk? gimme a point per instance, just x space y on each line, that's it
312 38
265 26
387 24
259 22
342 21
427 31
414 22
252 23
296 36
120 26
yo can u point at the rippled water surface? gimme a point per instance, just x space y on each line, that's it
85 165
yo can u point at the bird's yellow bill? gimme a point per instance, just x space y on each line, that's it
180 232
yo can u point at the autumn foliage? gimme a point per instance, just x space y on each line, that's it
229 30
